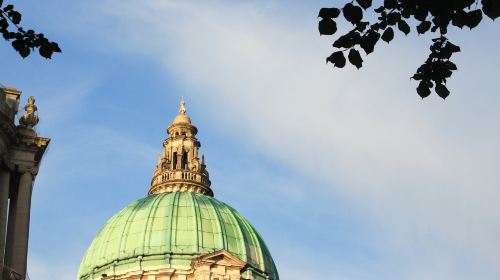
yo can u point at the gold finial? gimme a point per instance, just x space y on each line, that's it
30 118
182 109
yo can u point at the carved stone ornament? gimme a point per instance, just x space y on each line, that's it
30 117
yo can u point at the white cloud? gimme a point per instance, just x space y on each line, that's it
421 172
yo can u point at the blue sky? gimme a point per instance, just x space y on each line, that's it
347 174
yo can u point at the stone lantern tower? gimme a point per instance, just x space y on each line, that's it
179 167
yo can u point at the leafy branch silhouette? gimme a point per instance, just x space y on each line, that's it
428 15
24 42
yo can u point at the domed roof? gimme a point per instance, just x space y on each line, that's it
174 228
181 118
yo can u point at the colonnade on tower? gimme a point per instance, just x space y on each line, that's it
21 151
179 167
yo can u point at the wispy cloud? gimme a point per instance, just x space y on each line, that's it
427 183
420 176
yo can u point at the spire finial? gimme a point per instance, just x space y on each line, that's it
182 109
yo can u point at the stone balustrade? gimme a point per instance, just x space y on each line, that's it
184 175
180 180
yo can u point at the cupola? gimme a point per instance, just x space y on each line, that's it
179 168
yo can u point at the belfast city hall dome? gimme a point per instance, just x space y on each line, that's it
179 231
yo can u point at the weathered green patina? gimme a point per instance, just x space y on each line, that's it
173 229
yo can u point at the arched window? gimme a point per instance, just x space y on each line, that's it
174 161
184 160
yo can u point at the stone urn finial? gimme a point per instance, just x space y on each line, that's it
30 117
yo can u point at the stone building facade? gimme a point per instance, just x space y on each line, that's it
21 151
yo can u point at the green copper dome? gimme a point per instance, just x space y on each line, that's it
174 229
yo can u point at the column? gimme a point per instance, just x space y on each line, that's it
4 197
16 251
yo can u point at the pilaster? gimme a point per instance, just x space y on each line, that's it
4 201
16 251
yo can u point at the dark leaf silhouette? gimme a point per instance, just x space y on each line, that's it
361 26
442 91
388 35
352 13
459 19
473 18
55 47
390 4
24 51
423 89
421 13
393 18
329 13
424 15
369 41
403 27
348 40
337 59
46 50
15 16
491 8
365 4
327 26
423 27
355 58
